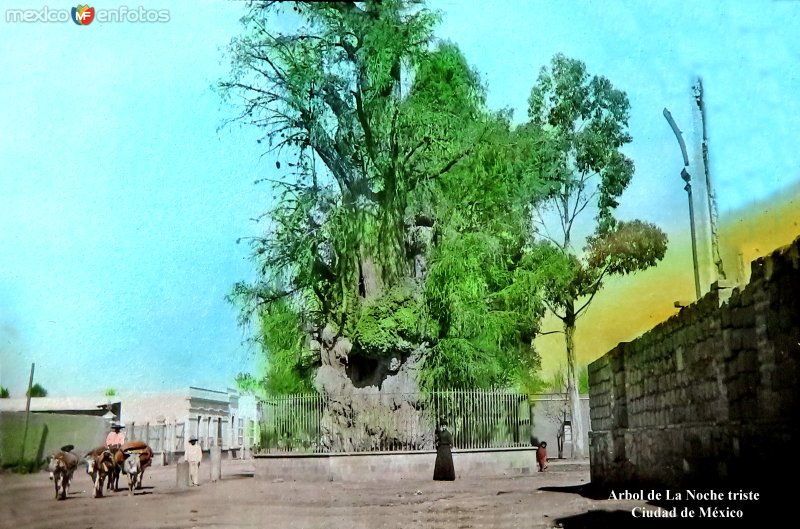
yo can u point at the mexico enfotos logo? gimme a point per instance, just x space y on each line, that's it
83 15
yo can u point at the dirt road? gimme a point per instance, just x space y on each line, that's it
240 500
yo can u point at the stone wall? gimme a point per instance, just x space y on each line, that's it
709 397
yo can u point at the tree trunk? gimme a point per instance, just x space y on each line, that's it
371 281
576 419
560 442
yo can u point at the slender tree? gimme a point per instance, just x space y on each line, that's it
585 120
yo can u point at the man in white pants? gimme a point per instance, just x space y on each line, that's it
194 454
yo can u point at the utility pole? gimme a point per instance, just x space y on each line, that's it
688 188
711 195
27 417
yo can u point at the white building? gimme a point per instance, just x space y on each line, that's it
167 420
215 418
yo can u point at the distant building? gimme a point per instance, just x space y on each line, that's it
167 420
217 418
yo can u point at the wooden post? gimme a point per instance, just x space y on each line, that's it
172 440
710 194
162 441
27 418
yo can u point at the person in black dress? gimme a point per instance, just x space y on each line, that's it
443 470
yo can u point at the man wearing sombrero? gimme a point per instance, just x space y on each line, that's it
194 454
115 437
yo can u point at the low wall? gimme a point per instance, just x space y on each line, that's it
47 432
393 465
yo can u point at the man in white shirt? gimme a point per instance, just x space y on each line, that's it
194 454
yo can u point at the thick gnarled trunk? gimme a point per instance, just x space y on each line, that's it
369 405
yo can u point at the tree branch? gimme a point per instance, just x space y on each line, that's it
553 310
425 140
595 286
365 125
546 233
449 165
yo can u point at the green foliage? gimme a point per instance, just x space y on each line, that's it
481 290
4 394
362 158
626 247
557 383
393 322
583 380
110 392
584 121
36 391
290 364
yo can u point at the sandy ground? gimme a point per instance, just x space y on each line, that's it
542 500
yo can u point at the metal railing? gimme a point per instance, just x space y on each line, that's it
387 422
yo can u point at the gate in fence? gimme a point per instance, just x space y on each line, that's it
385 422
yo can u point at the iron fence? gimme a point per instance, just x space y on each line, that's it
308 423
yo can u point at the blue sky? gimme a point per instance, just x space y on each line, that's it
121 201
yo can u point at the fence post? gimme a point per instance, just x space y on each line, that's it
215 454
161 442
182 475
171 436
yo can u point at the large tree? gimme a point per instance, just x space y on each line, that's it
328 97
381 136
585 120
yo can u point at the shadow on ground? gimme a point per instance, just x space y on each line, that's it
751 513
600 519
239 475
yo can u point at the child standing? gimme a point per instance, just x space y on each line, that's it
541 456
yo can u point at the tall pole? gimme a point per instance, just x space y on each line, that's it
27 417
711 195
688 188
